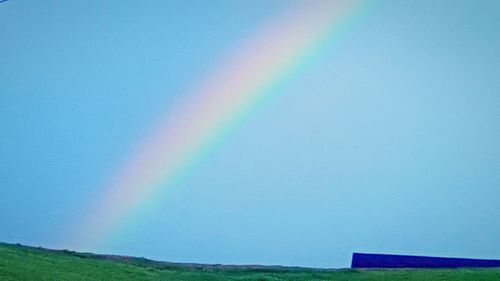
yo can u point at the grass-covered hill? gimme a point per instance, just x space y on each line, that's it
19 262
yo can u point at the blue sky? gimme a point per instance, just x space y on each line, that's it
388 143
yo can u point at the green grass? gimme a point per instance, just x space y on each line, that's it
27 263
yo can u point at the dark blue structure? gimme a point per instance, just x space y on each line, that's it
400 261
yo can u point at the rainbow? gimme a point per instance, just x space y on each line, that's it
255 69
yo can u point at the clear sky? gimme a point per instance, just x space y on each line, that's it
389 142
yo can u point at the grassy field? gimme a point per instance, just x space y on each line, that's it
27 263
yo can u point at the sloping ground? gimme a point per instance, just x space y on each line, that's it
27 263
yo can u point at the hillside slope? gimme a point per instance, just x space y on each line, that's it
19 262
